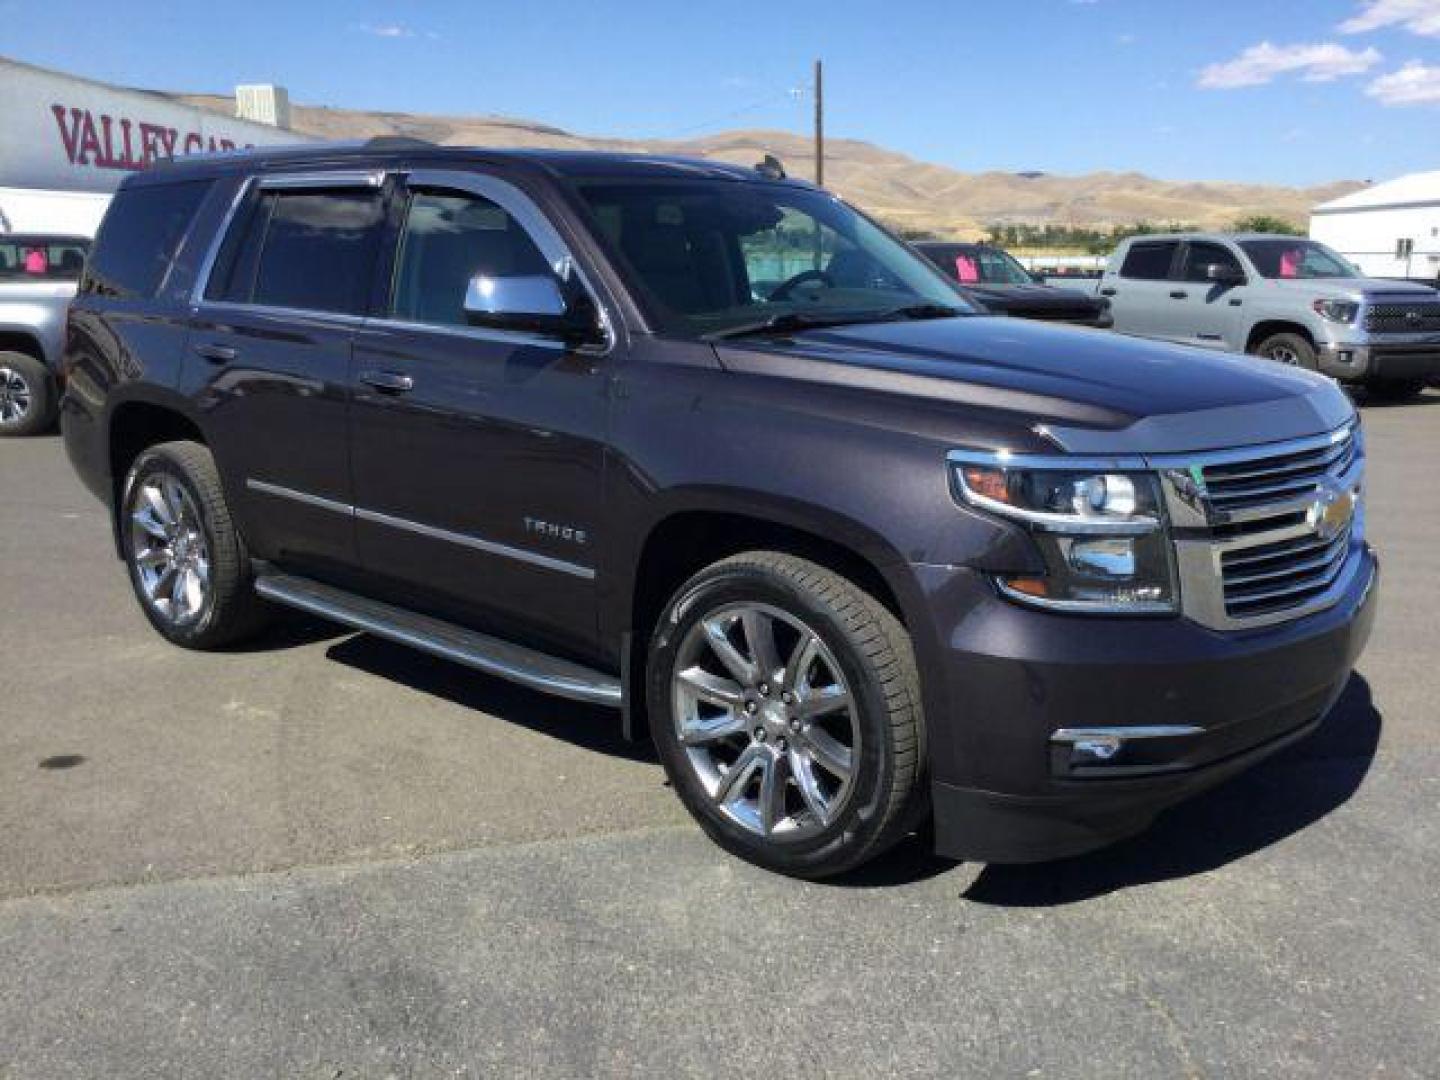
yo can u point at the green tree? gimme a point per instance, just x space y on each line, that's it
1266 223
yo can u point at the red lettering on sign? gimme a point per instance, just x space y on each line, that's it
108 142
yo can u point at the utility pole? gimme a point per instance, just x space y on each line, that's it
819 125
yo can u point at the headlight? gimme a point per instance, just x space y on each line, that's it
1341 311
1101 533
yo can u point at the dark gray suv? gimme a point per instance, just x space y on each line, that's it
709 446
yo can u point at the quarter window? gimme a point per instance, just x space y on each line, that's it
449 239
139 237
1149 260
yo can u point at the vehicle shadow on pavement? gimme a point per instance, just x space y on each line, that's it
587 726
1280 796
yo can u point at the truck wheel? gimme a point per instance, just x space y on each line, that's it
187 562
786 710
1394 389
1289 349
27 395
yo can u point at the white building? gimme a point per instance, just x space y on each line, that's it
1388 230
66 142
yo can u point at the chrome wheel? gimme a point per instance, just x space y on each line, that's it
168 550
15 396
1284 354
766 720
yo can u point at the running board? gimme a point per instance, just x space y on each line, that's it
479 651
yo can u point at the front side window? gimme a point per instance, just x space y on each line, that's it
714 255
1149 260
995 267
309 250
1296 258
1200 257
448 240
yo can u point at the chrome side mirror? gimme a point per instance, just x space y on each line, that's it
531 304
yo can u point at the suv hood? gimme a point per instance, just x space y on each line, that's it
1093 391
1029 295
1381 289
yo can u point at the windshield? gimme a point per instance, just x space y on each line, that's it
41 260
1299 259
716 255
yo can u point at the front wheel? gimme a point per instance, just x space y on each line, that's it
786 709
1291 349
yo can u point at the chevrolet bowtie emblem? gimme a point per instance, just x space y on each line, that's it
1331 513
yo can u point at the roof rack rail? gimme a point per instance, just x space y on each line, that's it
396 142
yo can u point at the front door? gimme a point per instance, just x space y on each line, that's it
1140 289
1209 312
477 453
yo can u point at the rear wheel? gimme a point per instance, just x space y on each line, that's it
187 562
27 395
788 714
1289 349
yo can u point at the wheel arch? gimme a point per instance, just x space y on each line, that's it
679 543
134 425
1270 327
22 341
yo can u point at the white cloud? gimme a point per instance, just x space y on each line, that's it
1413 84
1263 63
385 30
1417 16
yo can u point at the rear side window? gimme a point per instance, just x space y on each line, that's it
1150 260
142 230
311 250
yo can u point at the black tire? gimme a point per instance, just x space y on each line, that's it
886 796
28 395
1394 389
230 610
1290 349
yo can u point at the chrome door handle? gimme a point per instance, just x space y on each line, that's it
216 354
388 382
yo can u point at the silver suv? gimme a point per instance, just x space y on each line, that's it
1283 297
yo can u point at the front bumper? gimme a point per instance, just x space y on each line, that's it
1413 358
1005 790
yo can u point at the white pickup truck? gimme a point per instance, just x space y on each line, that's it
1283 297
38 276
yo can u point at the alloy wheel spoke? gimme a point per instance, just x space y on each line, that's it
155 502
801 657
147 519
772 793
741 670
819 702
737 778
725 726
829 753
713 689
803 769
760 639
152 558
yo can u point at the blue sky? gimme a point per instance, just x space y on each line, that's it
1292 92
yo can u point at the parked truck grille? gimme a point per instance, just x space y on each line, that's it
1416 317
1268 536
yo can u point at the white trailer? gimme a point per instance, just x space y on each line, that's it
1388 230
67 142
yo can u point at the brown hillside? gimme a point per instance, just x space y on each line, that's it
903 191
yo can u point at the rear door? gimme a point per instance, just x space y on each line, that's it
1207 312
273 325
477 453
1139 289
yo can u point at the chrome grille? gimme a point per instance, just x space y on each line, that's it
1416 317
1262 535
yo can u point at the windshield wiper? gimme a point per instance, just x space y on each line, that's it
804 320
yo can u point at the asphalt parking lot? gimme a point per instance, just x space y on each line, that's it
326 856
